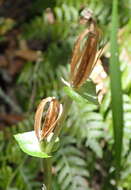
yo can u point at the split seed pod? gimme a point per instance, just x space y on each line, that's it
52 116
84 58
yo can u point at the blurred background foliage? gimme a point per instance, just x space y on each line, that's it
36 40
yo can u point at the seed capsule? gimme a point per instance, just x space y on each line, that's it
51 118
83 59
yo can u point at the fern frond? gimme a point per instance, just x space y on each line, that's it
88 127
64 16
70 166
76 4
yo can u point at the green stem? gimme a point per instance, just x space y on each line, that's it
47 162
47 173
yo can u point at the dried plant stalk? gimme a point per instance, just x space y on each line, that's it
52 116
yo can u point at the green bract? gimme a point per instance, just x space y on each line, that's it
85 94
88 91
29 143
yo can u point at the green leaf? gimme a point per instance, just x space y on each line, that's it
88 91
85 94
29 143
116 89
74 95
95 146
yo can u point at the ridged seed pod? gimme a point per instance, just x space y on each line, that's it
84 54
50 111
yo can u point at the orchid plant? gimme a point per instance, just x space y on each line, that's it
51 114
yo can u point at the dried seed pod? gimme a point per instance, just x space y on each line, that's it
51 118
84 58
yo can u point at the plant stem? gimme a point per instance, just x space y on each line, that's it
47 162
47 173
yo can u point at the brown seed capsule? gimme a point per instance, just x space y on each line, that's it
51 118
83 59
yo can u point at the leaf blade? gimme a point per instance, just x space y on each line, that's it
29 144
